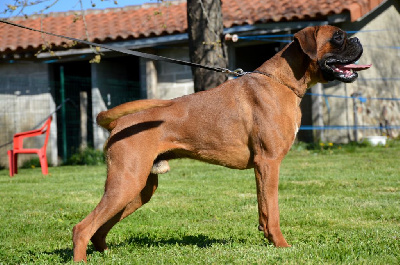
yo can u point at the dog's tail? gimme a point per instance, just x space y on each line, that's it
106 118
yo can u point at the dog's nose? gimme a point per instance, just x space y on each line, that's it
355 40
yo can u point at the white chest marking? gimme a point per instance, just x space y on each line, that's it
297 130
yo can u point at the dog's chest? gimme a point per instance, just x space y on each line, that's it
297 122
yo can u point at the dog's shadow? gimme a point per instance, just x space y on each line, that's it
143 241
200 241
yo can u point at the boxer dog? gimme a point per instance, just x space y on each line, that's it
248 122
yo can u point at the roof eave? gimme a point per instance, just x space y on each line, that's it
183 37
254 29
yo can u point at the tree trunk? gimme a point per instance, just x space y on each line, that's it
206 42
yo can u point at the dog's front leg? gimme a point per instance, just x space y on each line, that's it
267 180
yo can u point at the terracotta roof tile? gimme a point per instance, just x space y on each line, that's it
162 19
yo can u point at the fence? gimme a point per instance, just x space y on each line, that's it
350 112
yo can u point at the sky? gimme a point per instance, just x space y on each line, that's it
67 5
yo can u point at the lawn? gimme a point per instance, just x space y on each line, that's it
337 207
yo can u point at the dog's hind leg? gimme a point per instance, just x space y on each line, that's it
126 189
99 238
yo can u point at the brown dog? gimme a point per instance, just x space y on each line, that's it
249 122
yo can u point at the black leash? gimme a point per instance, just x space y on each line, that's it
237 72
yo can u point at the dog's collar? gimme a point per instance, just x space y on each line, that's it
277 80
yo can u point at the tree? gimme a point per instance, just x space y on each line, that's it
206 45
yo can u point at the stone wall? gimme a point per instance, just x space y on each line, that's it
173 80
25 102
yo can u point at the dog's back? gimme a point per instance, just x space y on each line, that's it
105 118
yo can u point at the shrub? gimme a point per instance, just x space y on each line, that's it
33 162
87 156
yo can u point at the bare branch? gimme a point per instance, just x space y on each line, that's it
17 9
97 56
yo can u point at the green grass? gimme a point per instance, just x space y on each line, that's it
339 207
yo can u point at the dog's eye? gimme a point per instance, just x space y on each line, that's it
338 37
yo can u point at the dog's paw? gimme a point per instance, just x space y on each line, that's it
160 167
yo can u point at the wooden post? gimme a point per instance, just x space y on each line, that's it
84 118
317 112
63 114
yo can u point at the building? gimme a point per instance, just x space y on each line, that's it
38 72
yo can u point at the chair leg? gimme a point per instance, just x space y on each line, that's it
43 162
15 163
10 154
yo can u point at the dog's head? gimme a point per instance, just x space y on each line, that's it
334 53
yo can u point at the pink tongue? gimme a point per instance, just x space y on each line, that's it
355 67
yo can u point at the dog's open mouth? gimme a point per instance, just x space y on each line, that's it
345 72
348 71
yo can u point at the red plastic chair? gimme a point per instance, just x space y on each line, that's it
18 148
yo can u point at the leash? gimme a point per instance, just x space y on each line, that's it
237 72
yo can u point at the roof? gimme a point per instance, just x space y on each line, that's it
166 18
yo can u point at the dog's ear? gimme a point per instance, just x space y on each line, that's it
307 38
